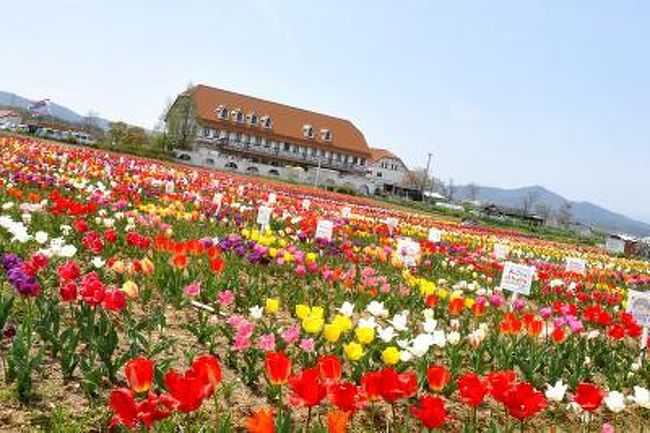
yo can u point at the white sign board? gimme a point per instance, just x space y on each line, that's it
501 251
170 187
240 189
517 278
435 235
574 264
345 212
407 251
638 305
616 246
324 230
264 216
272 197
306 203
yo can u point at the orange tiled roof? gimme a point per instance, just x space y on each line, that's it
377 154
288 122
6 113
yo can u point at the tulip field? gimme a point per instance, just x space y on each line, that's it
144 295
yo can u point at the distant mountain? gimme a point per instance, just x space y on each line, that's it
59 111
582 211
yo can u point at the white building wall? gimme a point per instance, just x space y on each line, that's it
391 173
209 158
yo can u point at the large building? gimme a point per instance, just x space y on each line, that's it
253 135
387 166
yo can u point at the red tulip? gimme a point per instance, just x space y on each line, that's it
371 385
307 387
261 421
217 265
431 411
122 402
558 335
207 369
69 271
68 292
500 382
129 412
438 377
396 386
278 367
330 368
139 374
114 300
188 391
524 401
472 389
345 396
589 396
456 306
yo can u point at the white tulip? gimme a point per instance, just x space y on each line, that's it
347 309
386 334
615 401
641 397
557 391
256 312
41 237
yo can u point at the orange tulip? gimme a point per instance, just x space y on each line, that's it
139 374
261 421
337 421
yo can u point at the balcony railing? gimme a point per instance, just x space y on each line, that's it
260 149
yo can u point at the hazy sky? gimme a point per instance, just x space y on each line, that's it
504 93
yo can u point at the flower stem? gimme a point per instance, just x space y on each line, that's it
308 419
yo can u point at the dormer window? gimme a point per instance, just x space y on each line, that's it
252 119
237 116
266 121
308 131
222 112
326 134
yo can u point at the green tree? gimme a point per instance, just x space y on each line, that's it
180 118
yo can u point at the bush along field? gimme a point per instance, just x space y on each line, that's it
142 295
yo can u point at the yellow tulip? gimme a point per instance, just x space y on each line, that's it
312 324
272 305
364 334
302 311
332 332
344 323
390 355
353 351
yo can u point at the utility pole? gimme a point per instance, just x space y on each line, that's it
426 175
317 173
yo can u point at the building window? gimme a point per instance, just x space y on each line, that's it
222 112
326 134
379 174
266 121
252 119
308 131
238 116
206 132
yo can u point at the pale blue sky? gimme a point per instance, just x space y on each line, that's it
504 93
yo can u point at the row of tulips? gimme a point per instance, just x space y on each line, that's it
109 259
